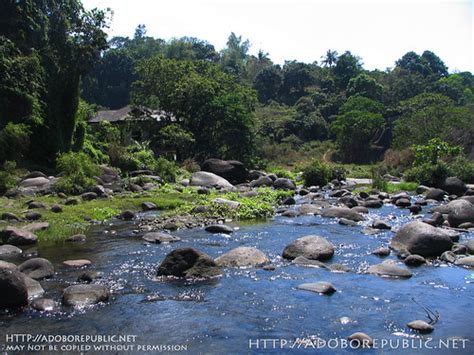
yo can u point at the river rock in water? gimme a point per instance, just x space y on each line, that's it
389 268
84 295
37 268
242 257
188 263
312 247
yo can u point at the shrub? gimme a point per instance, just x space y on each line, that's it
190 165
463 168
77 171
317 174
166 169
378 182
7 176
14 141
428 174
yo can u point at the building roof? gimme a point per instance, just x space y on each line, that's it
130 113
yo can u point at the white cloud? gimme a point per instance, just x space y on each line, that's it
378 31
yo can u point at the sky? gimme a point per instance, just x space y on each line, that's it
378 31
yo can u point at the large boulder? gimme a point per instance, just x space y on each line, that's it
454 186
17 236
85 295
311 247
261 181
435 194
460 211
37 268
9 251
422 239
342 212
204 178
389 268
242 257
37 182
188 263
284 184
14 291
231 170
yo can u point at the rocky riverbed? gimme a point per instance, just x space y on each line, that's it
332 263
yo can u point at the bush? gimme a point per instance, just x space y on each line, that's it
463 168
7 176
428 174
77 171
166 169
14 142
319 174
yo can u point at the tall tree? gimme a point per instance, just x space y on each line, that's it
330 59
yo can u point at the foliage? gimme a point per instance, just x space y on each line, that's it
318 173
463 168
364 85
378 182
7 176
174 136
77 172
347 67
428 174
208 102
433 151
428 116
14 141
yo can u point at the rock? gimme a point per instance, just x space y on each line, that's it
339 193
56 209
171 226
33 216
135 188
77 263
382 251
9 251
421 189
363 195
459 249
33 287
302 261
85 295
415 209
269 267
324 288
303 192
399 195
160 238
467 261
203 191
435 220
308 209
255 174
284 184
127 215
414 260
311 247
470 246
89 276
379 224
14 290
7 216
349 201
338 268
231 170
37 268
219 228
188 263
34 227
421 202
202 178
35 174
242 257
76 238
88 196
71 202
62 195
388 268
361 209
99 190
460 211
231 204
288 201
347 222
16 236
372 203
43 304
35 205
448 256
420 326
421 238
403 202
38 182
454 186
148 206
342 212
261 181
435 194
290 213
468 198
466 225
360 340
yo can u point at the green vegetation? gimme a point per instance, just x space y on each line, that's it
318 173
77 172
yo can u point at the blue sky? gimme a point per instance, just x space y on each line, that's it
378 31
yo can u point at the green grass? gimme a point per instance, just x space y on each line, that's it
402 186
76 218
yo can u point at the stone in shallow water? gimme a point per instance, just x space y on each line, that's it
76 238
84 295
312 247
37 268
467 261
7 250
77 263
159 238
322 287
43 304
188 263
242 257
420 326
389 269
361 340
219 228
302 261
414 260
382 251
16 236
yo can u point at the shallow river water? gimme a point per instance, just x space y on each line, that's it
236 312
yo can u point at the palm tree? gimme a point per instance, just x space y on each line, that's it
330 59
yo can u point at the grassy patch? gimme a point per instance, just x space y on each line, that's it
402 186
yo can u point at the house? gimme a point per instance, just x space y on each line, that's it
140 124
